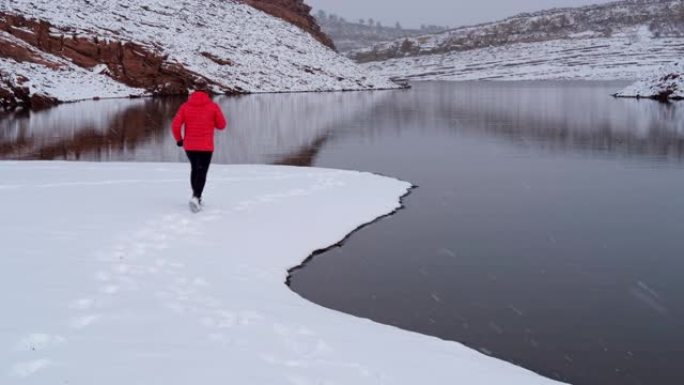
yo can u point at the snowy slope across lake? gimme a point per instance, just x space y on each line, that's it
620 40
627 55
665 84
161 45
108 279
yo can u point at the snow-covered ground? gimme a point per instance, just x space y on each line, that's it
665 83
627 55
266 54
108 279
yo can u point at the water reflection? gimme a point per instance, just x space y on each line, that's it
555 116
283 129
96 130
288 129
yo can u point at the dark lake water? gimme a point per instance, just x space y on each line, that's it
547 228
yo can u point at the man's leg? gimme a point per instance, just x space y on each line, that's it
203 162
193 156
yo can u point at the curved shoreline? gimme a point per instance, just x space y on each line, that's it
135 281
319 252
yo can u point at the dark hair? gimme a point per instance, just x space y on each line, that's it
201 85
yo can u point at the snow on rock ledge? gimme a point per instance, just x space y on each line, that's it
666 84
164 47
111 280
295 12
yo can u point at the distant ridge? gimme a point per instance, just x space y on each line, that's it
623 40
665 18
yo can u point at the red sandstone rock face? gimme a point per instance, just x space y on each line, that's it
295 12
9 49
127 62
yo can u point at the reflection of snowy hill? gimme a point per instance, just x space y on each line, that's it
292 128
537 114
293 124
105 129
122 129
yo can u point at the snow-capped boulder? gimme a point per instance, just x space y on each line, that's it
666 84
162 47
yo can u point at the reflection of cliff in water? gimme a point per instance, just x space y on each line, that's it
288 129
556 116
306 156
93 130
283 129
292 128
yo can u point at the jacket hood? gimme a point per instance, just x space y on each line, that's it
199 98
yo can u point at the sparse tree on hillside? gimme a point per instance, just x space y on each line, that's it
321 15
407 46
679 10
362 21
398 26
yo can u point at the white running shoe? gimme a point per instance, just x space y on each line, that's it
195 205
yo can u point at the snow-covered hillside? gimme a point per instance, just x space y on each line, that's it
627 55
108 279
619 40
666 83
163 46
662 17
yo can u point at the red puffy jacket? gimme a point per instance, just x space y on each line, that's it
200 116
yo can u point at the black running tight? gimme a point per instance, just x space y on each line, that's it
199 162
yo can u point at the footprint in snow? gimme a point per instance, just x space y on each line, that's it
83 321
28 368
40 341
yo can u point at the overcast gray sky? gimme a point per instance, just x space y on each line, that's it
413 13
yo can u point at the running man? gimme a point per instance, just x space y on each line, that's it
200 116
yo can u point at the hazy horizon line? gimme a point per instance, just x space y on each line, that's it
350 17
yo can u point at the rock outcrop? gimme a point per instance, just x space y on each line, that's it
665 85
295 12
132 64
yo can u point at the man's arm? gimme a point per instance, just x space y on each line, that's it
178 122
219 119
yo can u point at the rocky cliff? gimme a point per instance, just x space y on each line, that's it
295 12
80 49
25 40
